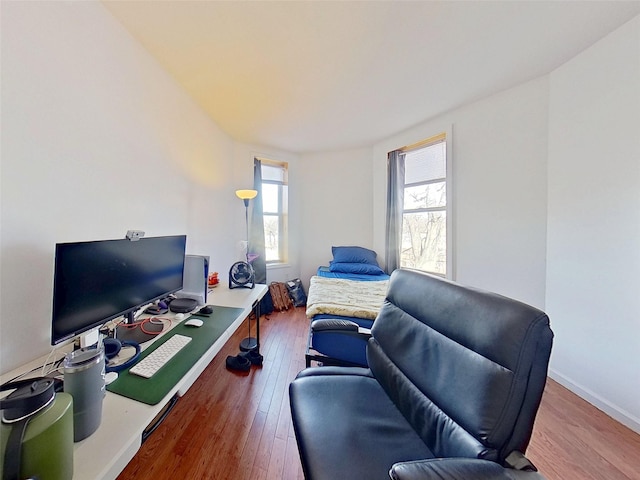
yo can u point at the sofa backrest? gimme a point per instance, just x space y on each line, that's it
466 368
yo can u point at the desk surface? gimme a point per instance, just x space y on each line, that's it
105 453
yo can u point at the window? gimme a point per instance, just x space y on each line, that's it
274 210
425 213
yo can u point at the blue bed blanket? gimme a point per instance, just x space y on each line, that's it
323 271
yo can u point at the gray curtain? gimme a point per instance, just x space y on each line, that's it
395 201
256 234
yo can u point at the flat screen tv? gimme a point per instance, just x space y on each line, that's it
95 282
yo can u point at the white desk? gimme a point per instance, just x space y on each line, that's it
105 453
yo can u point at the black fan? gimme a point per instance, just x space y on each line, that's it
241 275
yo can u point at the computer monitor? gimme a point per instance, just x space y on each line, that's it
95 282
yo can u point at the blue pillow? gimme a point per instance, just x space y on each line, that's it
354 255
365 268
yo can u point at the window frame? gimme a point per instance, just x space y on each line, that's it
445 136
283 207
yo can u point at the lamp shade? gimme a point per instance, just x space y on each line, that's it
246 194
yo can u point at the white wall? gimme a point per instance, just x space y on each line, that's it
593 270
243 161
499 180
336 192
96 139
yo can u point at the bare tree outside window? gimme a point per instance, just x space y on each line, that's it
424 220
271 238
274 210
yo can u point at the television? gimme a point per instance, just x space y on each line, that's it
97 281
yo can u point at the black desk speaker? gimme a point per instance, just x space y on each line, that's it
183 305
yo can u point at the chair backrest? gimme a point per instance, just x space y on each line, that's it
466 368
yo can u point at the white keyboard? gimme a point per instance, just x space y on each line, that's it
148 366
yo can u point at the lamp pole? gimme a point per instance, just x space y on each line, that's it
249 343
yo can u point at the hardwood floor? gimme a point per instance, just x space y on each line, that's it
574 440
238 426
233 425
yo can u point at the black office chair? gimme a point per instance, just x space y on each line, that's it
454 382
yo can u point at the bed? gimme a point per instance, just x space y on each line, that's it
343 301
353 299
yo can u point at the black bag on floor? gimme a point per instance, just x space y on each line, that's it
296 292
266 304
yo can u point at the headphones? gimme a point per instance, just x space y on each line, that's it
112 347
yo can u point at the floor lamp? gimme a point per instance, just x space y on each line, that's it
249 343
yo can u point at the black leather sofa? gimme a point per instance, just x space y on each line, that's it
454 382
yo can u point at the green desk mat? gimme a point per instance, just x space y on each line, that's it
152 390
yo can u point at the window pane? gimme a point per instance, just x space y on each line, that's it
274 173
425 164
271 238
424 241
425 196
269 198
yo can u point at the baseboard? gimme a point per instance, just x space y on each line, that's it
597 401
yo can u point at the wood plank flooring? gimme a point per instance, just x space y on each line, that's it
233 425
572 439
236 426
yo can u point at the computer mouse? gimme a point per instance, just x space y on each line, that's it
207 309
179 316
194 322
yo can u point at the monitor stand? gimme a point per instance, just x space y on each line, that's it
88 339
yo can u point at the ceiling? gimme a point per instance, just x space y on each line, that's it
310 76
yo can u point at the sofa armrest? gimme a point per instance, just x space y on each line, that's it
457 469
